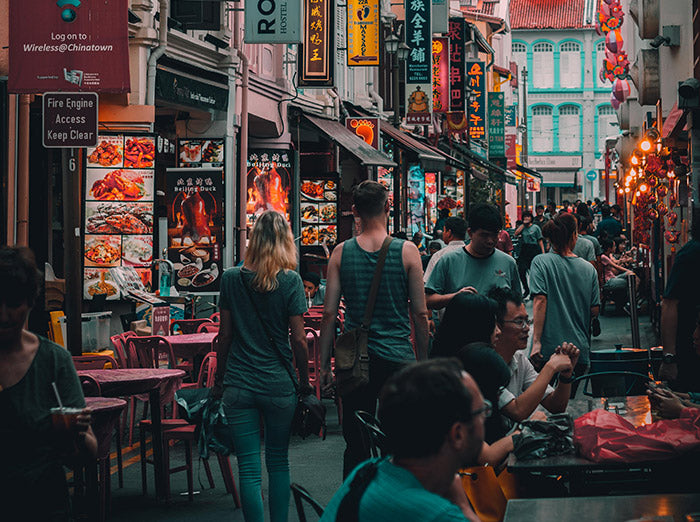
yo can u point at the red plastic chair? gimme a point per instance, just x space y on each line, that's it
314 359
94 362
209 327
186 326
120 350
216 317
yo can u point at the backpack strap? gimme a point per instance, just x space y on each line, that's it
349 509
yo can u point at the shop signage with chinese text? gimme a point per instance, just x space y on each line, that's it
419 39
269 181
316 53
456 35
69 119
363 32
476 107
497 135
273 21
78 46
441 75
366 129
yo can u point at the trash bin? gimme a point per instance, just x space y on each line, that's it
619 360
95 331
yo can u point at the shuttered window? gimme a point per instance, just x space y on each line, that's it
542 133
519 53
543 65
569 128
570 65
599 56
607 125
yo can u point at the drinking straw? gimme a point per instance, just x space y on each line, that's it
58 396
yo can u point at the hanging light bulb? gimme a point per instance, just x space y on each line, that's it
645 145
621 191
627 190
671 174
634 160
643 188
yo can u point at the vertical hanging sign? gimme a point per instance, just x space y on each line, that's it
441 75
316 53
363 32
418 63
476 109
440 15
456 36
497 130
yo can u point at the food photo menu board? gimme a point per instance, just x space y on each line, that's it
119 190
319 211
201 153
195 199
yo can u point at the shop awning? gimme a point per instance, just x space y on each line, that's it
528 172
449 158
339 134
674 122
498 173
430 160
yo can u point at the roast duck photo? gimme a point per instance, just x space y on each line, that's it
193 220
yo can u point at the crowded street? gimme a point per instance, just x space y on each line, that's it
423 261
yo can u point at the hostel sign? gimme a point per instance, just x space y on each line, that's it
273 21
316 53
363 33
476 108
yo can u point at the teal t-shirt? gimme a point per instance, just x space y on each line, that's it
531 235
571 287
458 269
252 363
390 329
30 457
584 249
596 244
395 494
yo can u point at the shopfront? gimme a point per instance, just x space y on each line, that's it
561 177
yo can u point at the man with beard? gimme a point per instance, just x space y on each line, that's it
433 416
527 388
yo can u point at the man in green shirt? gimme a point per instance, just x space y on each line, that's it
531 244
432 414
477 267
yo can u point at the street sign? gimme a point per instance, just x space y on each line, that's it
591 175
69 119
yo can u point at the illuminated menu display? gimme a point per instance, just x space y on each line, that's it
441 75
476 108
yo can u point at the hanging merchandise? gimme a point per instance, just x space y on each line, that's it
614 41
119 190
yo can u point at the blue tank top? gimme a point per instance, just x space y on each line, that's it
390 329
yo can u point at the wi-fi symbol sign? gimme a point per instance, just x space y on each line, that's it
68 14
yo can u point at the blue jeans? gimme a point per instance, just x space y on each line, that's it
243 409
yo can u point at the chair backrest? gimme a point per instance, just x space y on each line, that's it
150 349
94 362
91 388
209 327
215 317
207 371
301 495
373 437
120 350
186 326
484 493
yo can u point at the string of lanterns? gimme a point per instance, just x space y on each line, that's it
616 63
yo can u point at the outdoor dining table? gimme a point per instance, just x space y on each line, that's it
633 508
191 345
588 477
160 384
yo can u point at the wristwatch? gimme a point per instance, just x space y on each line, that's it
669 358
566 380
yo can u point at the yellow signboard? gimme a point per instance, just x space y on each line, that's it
363 33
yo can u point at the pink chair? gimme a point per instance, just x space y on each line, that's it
186 326
209 327
216 317
314 359
120 350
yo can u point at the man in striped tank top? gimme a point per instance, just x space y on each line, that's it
350 271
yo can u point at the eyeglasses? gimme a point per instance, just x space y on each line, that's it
486 409
522 323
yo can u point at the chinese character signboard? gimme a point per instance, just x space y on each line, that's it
269 182
77 46
476 108
497 130
273 21
363 32
118 211
419 62
456 36
365 128
511 143
316 53
511 115
195 199
441 75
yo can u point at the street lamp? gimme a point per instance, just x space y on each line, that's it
399 51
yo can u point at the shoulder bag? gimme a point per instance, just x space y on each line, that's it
351 355
310 413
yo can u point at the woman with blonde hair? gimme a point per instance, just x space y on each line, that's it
260 303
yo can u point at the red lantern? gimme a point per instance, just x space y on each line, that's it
672 217
662 209
662 190
614 41
621 89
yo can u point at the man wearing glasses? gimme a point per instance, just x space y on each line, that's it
527 388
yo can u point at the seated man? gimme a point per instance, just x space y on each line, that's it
314 290
433 416
528 389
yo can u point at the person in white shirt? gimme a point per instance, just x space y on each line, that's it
527 388
453 234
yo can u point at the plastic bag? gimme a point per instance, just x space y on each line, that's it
549 438
603 436
196 407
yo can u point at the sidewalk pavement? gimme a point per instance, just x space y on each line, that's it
314 463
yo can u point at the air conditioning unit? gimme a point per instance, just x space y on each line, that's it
645 76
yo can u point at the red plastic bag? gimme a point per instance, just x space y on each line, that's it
603 436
